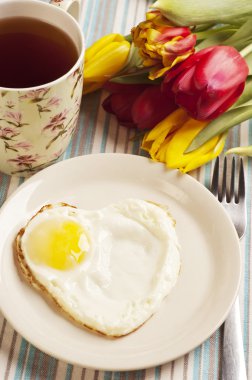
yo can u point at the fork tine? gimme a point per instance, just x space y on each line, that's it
224 181
241 187
215 178
232 182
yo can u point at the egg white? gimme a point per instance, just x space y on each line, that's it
132 262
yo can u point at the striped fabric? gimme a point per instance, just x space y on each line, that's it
99 132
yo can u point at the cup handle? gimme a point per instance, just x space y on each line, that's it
71 6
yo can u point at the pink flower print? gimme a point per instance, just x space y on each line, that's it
25 160
58 154
16 116
15 119
77 103
16 147
10 104
35 96
8 133
25 145
53 102
57 121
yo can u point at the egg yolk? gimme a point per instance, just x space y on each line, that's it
57 244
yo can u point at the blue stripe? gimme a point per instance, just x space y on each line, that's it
196 363
107 375
4 187
110 15
139 375
40 361
87 17
92 105
124 19
216 354
105 133
29 363
157 373
93 35
69 371
21 359
117 375
51 368
206 357
101 11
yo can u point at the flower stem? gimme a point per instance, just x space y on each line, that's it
246 51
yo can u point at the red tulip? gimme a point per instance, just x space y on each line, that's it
140 106
208 82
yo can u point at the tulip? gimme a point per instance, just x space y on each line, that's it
162 45
198 12
208 82
103 60
140 106
168 140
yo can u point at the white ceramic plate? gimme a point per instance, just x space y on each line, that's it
199 303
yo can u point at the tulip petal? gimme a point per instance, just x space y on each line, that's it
188 102
182 45
164 135
91 87
101 43
171 32
211 108
175 157
174 120
221 69
184 83
107 62
204 158
151 107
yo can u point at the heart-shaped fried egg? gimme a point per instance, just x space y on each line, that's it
108 269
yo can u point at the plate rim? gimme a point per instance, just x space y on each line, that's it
125 367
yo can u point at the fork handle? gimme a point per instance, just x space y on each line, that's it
233 355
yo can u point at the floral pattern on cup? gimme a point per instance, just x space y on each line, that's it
36 125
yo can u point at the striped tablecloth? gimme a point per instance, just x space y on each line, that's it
99 132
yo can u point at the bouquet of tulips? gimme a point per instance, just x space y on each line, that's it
183 77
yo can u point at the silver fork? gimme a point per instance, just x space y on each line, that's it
232 197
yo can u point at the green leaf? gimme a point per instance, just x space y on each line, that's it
203 27
139 77
134 61
246 95
249 62
228 35
242 37
128 38
220 125
216 39
241 150
228 29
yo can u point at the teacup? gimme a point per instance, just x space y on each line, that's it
37 122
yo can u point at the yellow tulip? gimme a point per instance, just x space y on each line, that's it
103 60
168 141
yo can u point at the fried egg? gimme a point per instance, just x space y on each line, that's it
109 269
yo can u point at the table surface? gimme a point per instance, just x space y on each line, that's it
99 132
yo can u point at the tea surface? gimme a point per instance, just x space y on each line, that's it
33 52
